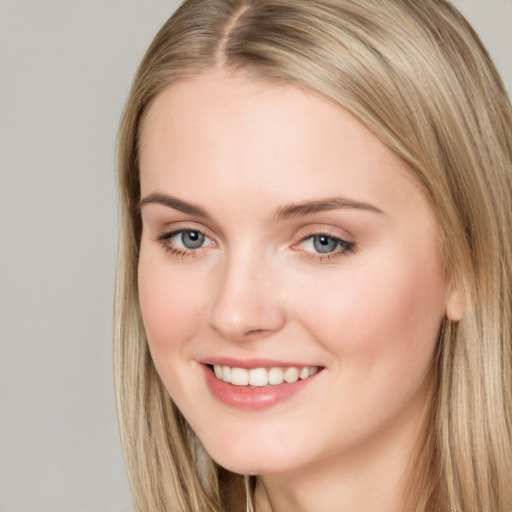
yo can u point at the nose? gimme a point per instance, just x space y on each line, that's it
246 304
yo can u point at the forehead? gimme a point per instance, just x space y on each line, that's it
239 137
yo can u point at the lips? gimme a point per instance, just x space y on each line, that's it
256 385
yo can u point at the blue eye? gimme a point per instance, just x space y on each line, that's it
325 244
185 242
192 239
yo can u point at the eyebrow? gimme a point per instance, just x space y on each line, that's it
283 212
175 203
322 205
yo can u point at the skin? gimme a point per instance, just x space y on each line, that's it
242 150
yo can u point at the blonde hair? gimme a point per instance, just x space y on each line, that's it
415 73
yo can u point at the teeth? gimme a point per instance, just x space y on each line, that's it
239 377
275 376
304 373
226 373
259 377
291 374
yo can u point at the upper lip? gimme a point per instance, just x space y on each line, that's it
250 364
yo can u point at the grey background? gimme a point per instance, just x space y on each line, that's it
65 70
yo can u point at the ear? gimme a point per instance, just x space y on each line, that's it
455 306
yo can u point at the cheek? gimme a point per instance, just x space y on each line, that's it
384 311
171 303
379 326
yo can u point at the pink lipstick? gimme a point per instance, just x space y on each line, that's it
255 384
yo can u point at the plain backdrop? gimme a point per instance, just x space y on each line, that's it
65 71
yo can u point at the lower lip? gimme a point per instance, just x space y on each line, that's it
252 398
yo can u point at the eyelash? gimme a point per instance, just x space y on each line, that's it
343 248
164 238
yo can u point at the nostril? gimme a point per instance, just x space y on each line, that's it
257 332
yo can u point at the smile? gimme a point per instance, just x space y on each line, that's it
259 377
261 385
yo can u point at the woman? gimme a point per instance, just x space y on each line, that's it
315 269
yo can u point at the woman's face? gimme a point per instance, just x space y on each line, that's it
281 238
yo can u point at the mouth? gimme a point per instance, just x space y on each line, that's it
260 386
260 377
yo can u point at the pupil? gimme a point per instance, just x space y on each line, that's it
324 244
192 239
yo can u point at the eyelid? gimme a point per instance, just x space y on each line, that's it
323 229
165 234
178 226
174 234
345 247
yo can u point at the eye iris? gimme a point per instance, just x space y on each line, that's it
324 244
192 239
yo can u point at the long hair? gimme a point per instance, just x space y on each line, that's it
416 74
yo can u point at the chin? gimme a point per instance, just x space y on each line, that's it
255 460
253 467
